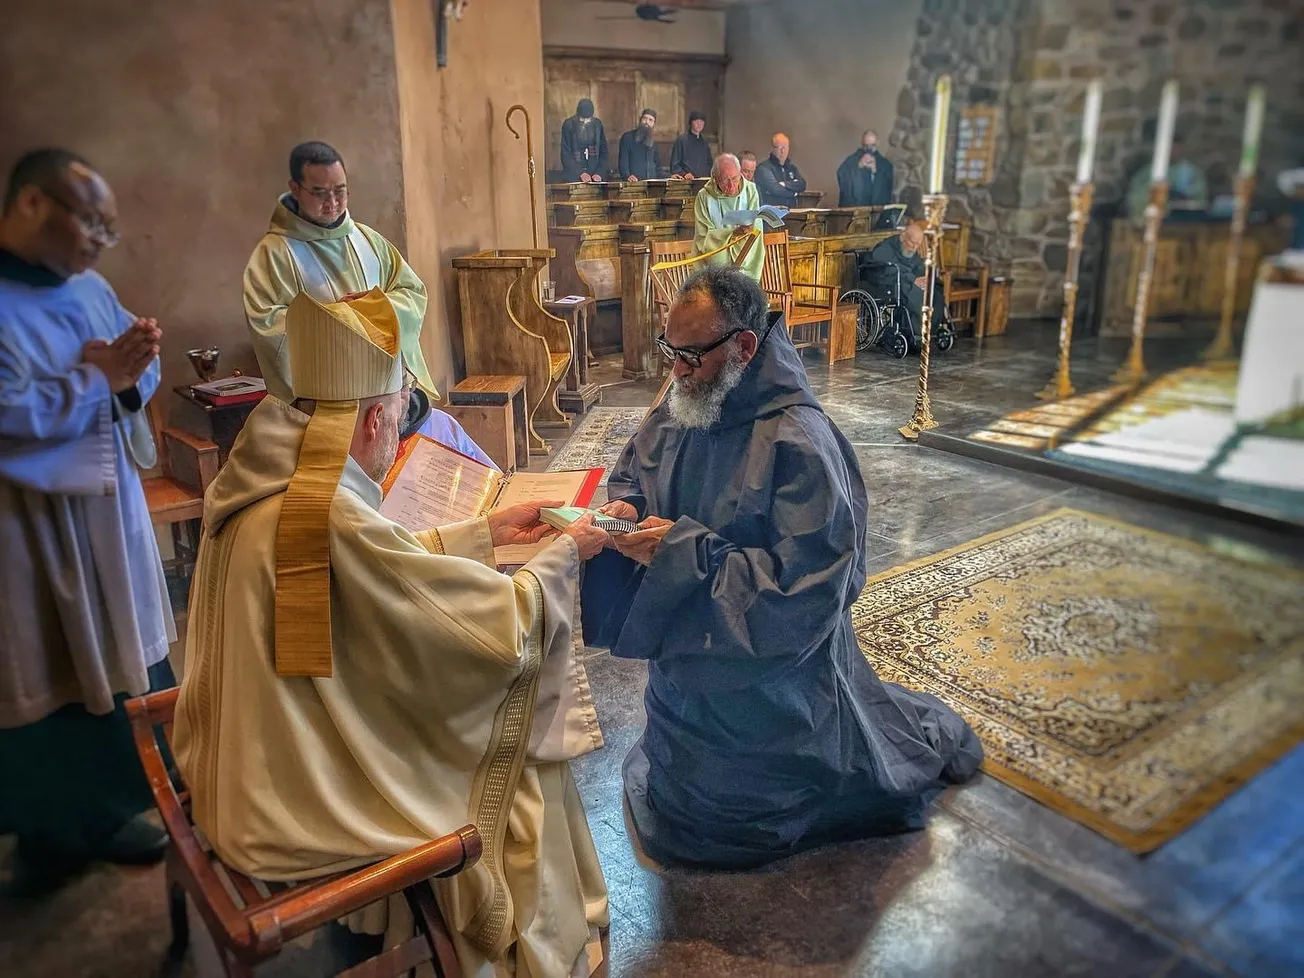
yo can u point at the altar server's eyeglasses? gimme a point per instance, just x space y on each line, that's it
692 356
93 227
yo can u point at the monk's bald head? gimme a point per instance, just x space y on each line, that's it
912 238
59 212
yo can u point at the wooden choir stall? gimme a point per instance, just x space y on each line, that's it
507 332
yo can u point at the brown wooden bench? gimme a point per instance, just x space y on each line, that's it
251 920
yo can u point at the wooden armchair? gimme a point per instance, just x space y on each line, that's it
673 263
810 313
671 266
175 495
964 287
505 331
251 920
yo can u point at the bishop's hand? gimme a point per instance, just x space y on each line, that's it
590 540
642 546
519 525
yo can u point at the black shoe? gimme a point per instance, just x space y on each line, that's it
138 843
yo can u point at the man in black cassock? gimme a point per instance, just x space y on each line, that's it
638 159
691 155
767 730
777 178
583 145
865 177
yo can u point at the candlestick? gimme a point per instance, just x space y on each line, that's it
934 211
941 115
1080 196
1164 133
1090 125
1253 130
1134 368
1223 344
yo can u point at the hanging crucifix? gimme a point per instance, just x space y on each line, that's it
444 9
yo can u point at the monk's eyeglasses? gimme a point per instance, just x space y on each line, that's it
692 356
93 227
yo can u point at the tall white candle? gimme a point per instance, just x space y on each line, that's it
941 113
1164 133
1090 125
1253 130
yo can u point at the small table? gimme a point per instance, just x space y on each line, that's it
578 394
217 424
492 409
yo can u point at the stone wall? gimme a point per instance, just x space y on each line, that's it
1034 58
985 45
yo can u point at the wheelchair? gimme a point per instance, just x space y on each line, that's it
881 319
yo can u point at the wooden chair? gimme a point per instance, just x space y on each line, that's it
673 263
252 920
175 495
809 315
964 287
505 330
670 270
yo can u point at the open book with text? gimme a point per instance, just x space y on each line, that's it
432 485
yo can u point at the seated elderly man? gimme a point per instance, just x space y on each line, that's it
904 253
767 730
727 191
353 690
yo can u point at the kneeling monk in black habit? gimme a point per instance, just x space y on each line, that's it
767 730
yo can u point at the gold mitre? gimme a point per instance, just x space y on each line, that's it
340 353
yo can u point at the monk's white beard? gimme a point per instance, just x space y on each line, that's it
699 405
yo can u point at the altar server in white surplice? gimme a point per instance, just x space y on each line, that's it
84 613
353 690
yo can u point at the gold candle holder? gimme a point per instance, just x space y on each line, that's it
1080 197
934 211
1223 345
1134 367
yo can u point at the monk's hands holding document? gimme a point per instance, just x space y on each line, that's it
621 510
126 358
642 546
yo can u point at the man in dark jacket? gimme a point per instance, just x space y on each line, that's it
691 156
778 178
583 145
638 158
905 253
767 730
865 177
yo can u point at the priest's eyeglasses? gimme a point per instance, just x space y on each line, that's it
93 227
691 355
339 193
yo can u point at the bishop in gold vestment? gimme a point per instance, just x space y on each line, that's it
353 690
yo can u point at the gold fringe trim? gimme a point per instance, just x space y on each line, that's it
303 549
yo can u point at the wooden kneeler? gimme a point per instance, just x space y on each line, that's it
251 920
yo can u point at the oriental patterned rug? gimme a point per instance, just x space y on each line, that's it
1128 679
598 440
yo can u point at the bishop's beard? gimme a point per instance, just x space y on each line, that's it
698 404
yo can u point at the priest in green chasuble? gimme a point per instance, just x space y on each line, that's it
727 191
353 690
313 245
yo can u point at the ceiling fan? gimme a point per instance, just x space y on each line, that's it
651 12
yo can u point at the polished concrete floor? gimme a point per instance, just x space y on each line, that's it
997 885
